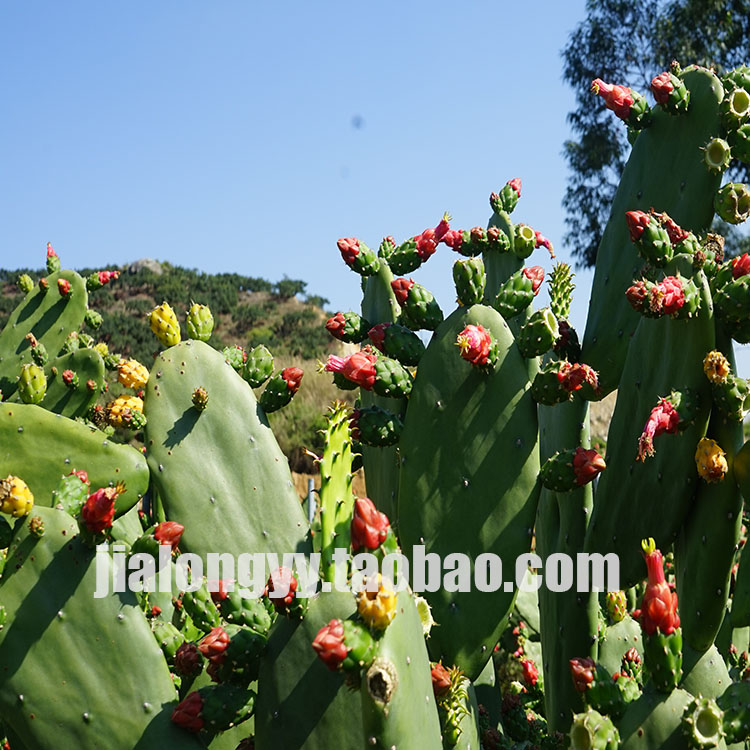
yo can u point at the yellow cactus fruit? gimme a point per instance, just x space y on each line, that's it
377 608
132 374
165 325
711 460
716 366
15 497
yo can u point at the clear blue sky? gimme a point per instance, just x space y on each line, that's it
249 137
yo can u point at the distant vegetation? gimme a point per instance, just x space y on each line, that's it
248 311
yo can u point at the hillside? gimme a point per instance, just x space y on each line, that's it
248 311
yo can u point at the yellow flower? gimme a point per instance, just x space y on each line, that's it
716 366
377 608
132 374
120 412
710 460
15 497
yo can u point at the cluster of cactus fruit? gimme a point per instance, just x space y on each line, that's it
475 442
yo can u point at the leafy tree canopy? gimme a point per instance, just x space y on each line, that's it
629 42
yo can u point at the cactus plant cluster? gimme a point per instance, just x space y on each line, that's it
473 428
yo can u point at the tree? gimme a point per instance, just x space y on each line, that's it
629 42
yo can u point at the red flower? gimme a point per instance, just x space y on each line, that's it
542 241
82 475
106 276
441 679
369 526
329 644
530 672
573 376
169 532
188 713
663 418
667 297
68 376
221 592
428 240
285 580
659 605
637 223
637 295
401 288
676 233
741 266
582 671
587 464
474 343
536 275
292 376
662 87
454 239
349 247
515 183
63 286
214 644
377 334
617 98
98 511
358 367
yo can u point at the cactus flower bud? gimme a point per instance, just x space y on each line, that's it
281 588
53 261
188 659
663 418
637 295
659 605
199 322
63 286
70 379
169 532
616 605
710 460
530 672
507 198
428 240
441 680
214 644
617 98
741 266
187 714
329 644
637 222
716 367
358 368
587 463
106 276
535 274
662 87
292 376
32 383
25 283
582 671
348 327
377 335
358 256
369 526
200 398
401 289
98 511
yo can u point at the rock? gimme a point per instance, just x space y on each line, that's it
148 263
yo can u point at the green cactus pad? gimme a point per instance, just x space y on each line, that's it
452 496
650 180
41 447
79 671
222 468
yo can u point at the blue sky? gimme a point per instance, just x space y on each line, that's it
248 137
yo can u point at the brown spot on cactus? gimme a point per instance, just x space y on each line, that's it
381 681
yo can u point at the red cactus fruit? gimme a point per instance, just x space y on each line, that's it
63 286
369 526
377 335
106 276
214 644
188 659
530 672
